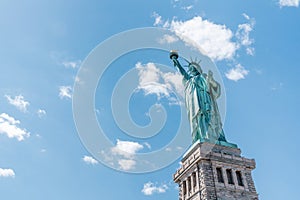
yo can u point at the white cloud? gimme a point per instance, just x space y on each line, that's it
155 88
108 157
277 86
175 1
237 73
123 154
63 59
65 92
214 39
250 51
168 39
127 164
243 34
78 80
246 16
158 19
147 145
43 150
148 74
259 71
169 149
150 188
150 80
126 148
187 8
173 81
7 173
290 3
18 102
41 113
71 64
89 160
179 148
153 81
9 127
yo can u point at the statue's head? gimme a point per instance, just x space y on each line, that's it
194 68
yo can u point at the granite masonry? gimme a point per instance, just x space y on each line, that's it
214 172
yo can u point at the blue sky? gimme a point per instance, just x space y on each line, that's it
254 45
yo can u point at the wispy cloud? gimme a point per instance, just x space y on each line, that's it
7 173
151 188
147 145
62 58
277 86
71 64
237 73
78 80
246 16
43 150
243 34
184 5
178 148
289 3
18 101
65 92
41 113
187 8
258 71
250 51
168 39
9 127
157 19
89 160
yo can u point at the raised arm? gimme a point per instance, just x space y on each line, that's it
174 57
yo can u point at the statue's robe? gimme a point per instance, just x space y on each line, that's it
203 113
199 105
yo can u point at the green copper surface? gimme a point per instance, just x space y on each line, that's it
201 94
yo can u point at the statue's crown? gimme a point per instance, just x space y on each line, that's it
196 64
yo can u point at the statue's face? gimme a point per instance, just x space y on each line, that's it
193 70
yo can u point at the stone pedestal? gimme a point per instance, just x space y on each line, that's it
215 172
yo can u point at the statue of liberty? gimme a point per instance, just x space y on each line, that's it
201 94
